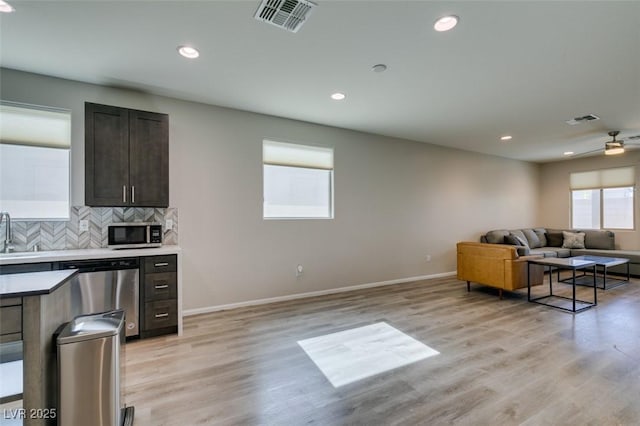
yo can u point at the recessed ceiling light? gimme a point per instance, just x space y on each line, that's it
379 68
338 96
506 138
445 23
6 7
568 153
188 52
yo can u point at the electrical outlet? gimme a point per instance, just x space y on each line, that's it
168 224
299 270
84 225
427 258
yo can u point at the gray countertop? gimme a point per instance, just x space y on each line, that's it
79 254
33 283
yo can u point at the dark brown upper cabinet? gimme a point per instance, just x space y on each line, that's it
126 157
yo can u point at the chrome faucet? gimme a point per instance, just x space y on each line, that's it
6 248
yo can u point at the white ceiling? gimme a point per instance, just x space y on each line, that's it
520 68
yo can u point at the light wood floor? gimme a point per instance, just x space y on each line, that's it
501 362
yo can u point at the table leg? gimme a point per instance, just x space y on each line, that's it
574 287
604 277
595 290
550 281
628 272
529 281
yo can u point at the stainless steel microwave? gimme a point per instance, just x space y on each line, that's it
134 235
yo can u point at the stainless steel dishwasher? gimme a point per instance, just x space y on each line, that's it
104 285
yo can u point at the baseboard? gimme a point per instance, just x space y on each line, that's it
208 309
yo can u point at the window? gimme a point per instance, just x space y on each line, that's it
298 181
603 199
34 162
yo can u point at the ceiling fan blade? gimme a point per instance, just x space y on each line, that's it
583 154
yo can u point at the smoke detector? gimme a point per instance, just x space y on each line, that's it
286 14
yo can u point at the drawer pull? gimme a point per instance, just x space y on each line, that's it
162 315
157 265
160 287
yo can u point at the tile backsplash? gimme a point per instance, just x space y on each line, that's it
61 235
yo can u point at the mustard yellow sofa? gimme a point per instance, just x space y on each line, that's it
495 265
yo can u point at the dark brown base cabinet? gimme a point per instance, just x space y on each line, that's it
126 157
159 295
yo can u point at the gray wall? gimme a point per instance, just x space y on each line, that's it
396 201
556 195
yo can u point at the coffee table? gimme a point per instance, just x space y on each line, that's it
603 263
570 263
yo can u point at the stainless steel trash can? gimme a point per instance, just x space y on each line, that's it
89 370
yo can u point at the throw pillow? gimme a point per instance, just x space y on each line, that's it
542 236
554 238
532 238
519 241
511 240
573 240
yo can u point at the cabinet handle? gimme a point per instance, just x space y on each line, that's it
124 193
157 265
160 287
133 194
162 315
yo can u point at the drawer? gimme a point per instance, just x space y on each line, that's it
160 286
161 313
13 337
12 301
11 319
155 264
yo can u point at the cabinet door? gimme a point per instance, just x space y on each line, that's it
149 159
106 155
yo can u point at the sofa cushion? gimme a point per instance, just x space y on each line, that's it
573 240
532 238
496 236
551 252
544 251
542 236
554 238
599 239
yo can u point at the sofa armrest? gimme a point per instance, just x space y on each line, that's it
494 251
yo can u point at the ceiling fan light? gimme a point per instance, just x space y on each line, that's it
614 150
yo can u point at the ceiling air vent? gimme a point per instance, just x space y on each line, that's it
286 14
583 119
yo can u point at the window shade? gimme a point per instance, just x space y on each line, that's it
293 155
607 178
34 126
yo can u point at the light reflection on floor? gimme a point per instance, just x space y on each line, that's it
352 355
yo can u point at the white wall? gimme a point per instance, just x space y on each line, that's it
395 200
555 198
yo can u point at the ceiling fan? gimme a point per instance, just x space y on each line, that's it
616 146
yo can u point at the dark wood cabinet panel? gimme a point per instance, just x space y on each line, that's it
10 321
162 263
126 157
161 314
149 159
159 295
106 155
160 286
